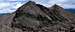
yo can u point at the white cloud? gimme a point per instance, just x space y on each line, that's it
8 7
11 0
48 3
3 5
62 3
6 10
18 5
8 0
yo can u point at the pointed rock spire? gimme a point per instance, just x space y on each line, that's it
55 5
57 10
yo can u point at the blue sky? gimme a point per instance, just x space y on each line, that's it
9 6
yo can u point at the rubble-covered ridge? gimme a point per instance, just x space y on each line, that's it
32 17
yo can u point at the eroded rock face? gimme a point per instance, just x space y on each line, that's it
31 14
35 17
57 10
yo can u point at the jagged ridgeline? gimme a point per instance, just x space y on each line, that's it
35 15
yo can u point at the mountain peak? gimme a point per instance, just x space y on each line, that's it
30 2
25 7
57 9
55 5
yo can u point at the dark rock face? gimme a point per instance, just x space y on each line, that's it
32 12
37 18
57 10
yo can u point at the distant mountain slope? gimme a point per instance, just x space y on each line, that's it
70 10
4 14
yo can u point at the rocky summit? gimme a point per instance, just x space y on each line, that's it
32 17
